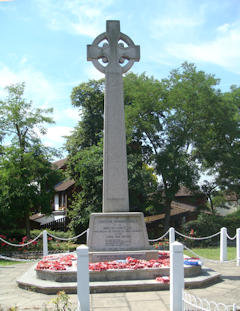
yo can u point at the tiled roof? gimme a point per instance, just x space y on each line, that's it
185 192
64 185
176 209
36 216
60 163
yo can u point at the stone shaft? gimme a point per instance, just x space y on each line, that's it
115 181
114 49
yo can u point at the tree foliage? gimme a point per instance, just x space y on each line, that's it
179 126
186 125
26 175
85 159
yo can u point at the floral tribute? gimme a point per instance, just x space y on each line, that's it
6 247
131 264
64 261
56 262
61 262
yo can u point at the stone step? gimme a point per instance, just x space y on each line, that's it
114 275
29 281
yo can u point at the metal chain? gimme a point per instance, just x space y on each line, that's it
233 238
66 239
211 260
21 245
195 254
193 238
161 237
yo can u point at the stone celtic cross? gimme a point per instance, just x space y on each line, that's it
114 53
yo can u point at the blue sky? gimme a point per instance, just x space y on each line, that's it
43 43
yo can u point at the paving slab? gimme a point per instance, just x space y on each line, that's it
227 291
31 281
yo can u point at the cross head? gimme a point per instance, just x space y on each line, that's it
113 51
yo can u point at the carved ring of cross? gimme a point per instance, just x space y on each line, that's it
122 57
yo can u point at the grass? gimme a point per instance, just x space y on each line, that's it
9 262
212 252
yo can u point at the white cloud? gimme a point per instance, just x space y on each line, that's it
55 136
56 133
44 94
38 88
78 17
7 77
72 113
223 28
23 60
176 18
66 115
93 73
223 50
166 25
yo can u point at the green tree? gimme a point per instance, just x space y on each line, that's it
178 126
185 125
87 173
89 98
160 125
26 175
227 146
214 196
85 159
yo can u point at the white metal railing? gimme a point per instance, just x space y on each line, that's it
44 235
193 303
223 243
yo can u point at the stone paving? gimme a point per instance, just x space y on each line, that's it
227 291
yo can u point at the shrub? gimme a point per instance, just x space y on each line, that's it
53 244
60 234
207 225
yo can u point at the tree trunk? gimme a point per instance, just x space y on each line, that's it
167 215
211 205
27 224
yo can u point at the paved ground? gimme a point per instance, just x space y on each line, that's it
227 291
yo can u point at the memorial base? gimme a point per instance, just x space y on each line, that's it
117 232
122 255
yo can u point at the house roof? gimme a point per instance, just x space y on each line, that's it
60 163
185 192
36 216
64 185
176 209
232 196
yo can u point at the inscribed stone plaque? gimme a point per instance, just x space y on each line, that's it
117 231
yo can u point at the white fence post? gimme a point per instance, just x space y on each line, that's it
87 236
45 243
176 276
223 244
238 246
171 236
82 278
